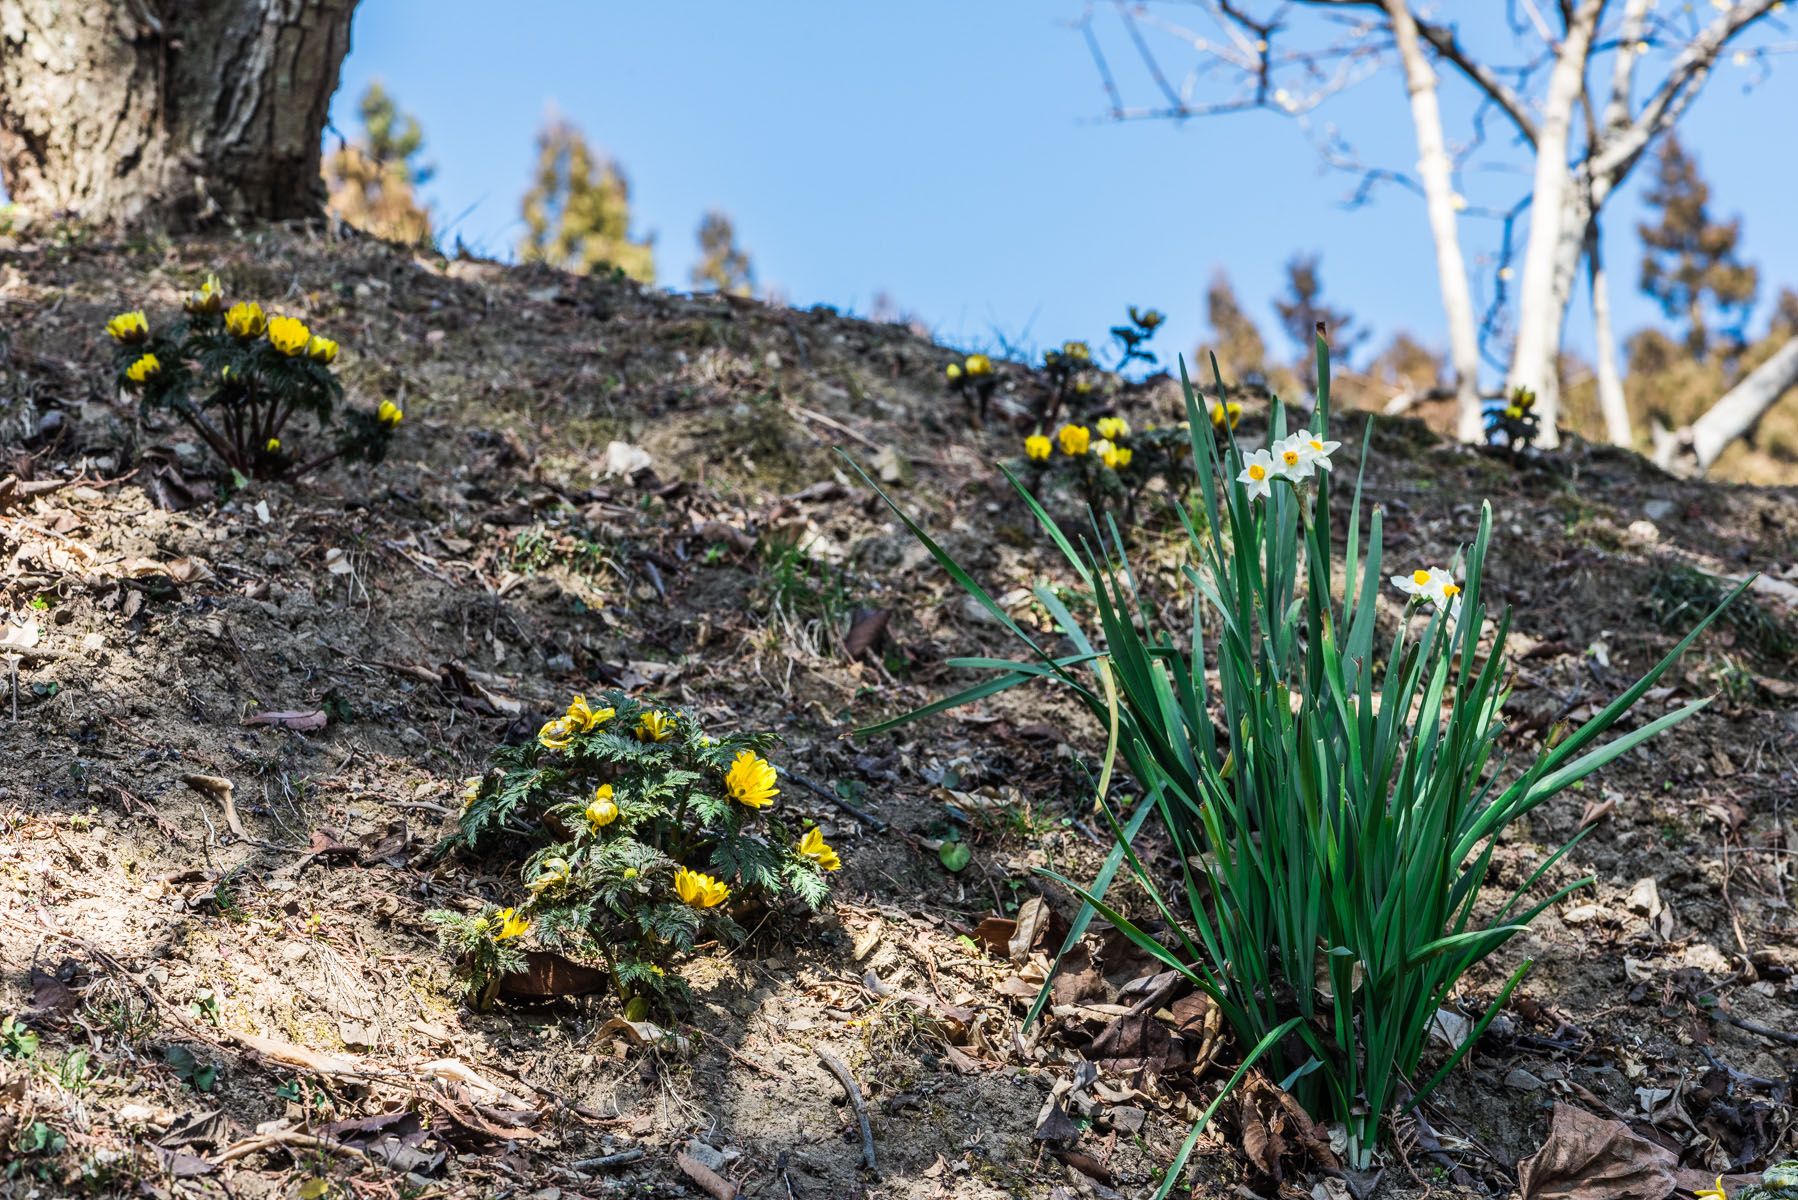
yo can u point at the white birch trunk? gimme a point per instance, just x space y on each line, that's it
1435 171
1611 401
1533 359
1735 414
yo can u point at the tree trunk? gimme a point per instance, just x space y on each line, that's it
1734 415
1434 168
1533 359
1611 401
124 112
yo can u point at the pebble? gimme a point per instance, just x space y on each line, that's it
1522 1081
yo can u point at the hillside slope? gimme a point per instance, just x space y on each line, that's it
458 594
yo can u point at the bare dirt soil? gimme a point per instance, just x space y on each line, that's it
212 943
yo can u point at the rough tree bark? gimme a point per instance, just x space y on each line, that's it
1694 448
134 112
1434 168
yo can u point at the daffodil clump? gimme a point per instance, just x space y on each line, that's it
1514 424
640 831
1333 789
237 376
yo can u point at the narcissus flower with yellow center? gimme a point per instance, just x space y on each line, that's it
1038 447
1258 474
208 300
1074 439
584 716
1221 413
699 890
512 924
129 328
245 319
289 335
1435 585
556 734
655 727
978 365
1112 428
389 414
1317 450
321 350
604 810
1291 458
750 780
813 847
145 368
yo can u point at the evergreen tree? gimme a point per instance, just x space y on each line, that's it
1689 261
722 266
373 181
1303 310
578 213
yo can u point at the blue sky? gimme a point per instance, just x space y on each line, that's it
953 155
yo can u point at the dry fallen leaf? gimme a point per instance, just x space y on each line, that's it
1591 1158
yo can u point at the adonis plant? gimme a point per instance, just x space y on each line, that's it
236 376
643 832
1334 799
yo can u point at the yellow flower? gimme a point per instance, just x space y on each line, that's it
813 847
389 414
1083 386
1120 458
471 791
1231 412
1112 428
953 372
978 365
556 734
128 328
654 727
584 716
1522 397
245 319
208 300
147 367
321 350
1515 413
701 891
512 923
1104 451
750 780
289 335
604 810
273 446
1074 439
1077 351
1714 1192
554 871
1038 447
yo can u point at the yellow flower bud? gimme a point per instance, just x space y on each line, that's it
129 328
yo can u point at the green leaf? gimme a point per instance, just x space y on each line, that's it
955 855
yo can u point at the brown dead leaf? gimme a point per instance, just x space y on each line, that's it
866 631
1032 923
1136 1042
1077 978
995 934
1591 1158
298 720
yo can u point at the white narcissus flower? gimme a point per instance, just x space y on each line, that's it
1435 585
1291 457
1257 475
1316 450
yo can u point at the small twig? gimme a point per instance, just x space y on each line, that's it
305 1141
1772 1035
878 825
734 1054
607 1160
854 1092
832 423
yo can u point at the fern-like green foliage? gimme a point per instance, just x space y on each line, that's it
635 847
237 378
